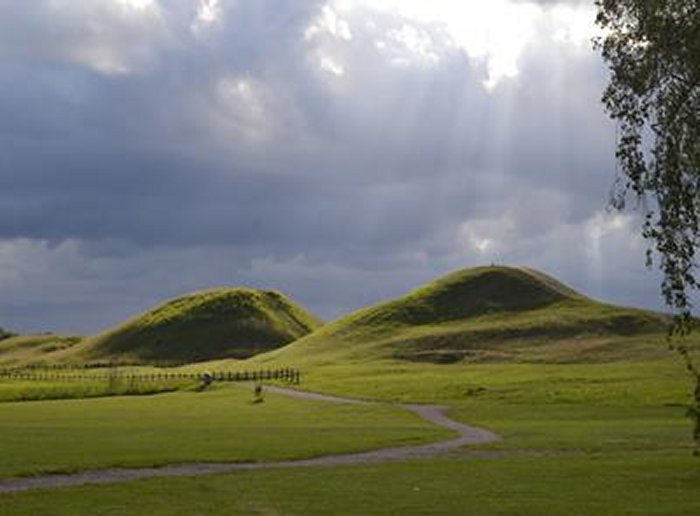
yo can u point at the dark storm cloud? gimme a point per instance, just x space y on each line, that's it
102 161
88 155
145 153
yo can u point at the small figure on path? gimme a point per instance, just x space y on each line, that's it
207 379
258 392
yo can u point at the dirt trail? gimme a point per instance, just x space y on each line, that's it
466 435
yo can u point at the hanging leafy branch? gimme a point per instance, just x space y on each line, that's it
652 48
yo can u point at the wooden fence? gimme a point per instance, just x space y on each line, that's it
287 374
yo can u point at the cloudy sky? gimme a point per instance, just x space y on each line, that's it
342 151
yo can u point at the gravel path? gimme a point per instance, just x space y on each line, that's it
466 435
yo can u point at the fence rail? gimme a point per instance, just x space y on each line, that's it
287 374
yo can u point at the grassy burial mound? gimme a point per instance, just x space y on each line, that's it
483 314
218 323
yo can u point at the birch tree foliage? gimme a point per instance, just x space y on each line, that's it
652 48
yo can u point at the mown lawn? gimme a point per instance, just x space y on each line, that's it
220 425
592 407
602 438
638 483
640 383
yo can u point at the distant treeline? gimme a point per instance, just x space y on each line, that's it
6 334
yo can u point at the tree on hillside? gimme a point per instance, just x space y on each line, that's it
4 334
652 48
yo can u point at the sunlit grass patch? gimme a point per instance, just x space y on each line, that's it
218 425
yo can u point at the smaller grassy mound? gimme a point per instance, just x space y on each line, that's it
218 323
30 348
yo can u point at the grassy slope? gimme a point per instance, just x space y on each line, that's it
226 322
483 314
581 407
580 439
27 348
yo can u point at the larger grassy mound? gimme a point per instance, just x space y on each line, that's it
218 323
481 314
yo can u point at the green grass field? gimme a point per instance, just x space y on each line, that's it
35 390
589 399
637 483
579 439
218 425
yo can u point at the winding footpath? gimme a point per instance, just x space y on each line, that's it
466 435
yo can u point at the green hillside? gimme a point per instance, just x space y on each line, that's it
28 348
483 314
218 323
